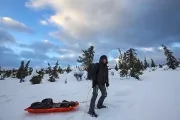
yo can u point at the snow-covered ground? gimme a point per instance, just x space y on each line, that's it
156 97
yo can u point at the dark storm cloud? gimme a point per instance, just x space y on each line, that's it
150 24
140 23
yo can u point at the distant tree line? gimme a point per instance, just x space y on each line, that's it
128 65
24 70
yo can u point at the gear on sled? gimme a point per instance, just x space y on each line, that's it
47 106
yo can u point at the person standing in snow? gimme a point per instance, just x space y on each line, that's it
100 81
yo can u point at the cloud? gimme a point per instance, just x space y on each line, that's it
6 37
47 51
108 25
8 57
47 47
12 24
124 22
43 22
34 55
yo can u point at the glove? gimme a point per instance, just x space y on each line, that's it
107 84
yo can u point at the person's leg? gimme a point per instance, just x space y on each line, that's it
103 95
93 99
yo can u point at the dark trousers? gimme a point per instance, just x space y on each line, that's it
102 88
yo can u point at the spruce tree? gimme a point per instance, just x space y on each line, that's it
2 74
124 69
116 67
152 63
22 71
8 73
26 69
60 70
134 65
68 70
172 62
160 66
137 69
30 70
122 58
87 59
146 65
14 72
53 72
123 64
87 56
141 65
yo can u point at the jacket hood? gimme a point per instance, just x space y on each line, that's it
103 57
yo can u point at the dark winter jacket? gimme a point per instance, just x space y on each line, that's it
100 75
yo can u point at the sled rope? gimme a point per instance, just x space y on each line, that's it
87 98
84 102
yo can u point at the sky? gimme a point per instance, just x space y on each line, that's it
45 31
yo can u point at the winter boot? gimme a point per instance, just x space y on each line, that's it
93 114
102 106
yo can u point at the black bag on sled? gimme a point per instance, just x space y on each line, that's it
48 103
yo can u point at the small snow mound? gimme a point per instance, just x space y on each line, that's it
165 67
